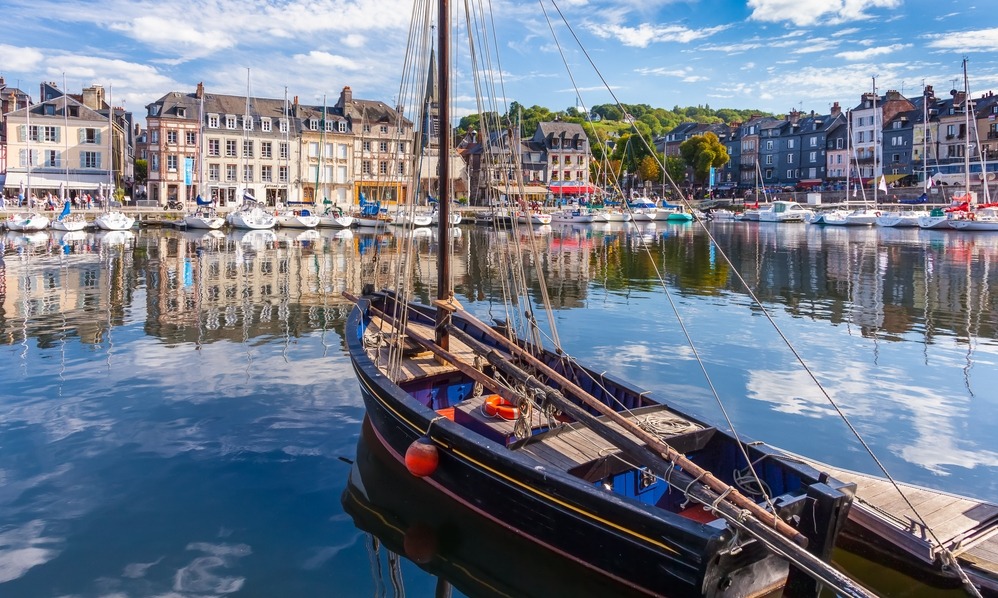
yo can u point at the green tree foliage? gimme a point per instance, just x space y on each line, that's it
141 171
701 152
676 169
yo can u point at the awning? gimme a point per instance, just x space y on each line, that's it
87 182
525 190
809 182
572 189
893 178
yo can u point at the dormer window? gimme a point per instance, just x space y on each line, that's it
313 124
181 112
230 121
266 125
247 122
154 110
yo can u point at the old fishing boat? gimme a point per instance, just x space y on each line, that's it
575 460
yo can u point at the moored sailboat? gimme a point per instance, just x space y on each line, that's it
570 457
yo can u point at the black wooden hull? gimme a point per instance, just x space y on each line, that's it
625 540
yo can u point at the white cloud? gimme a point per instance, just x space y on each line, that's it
871 52
686 75
811 12
646 34
19 59
980 40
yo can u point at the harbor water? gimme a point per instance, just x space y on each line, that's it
179 417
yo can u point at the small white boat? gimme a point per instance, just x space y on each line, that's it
67 222
114 220
577 216
721 215
335 217
204 220
455 217
533 218
612 216
785 211
204 216
642 209
27 221
250 216
901 218
981 219
417 219
297 219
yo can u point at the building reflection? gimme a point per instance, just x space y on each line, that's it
199 286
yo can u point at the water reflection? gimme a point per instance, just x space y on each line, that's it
179 400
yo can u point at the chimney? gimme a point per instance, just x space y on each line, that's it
346 97
200 91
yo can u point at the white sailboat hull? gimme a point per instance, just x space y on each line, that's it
27 221
114 221
252 219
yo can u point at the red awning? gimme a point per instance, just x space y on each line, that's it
571 189
809 183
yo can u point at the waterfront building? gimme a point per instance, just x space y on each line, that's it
382 149
837 155
324 155
235 144
66 145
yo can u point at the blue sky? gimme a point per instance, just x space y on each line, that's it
773 55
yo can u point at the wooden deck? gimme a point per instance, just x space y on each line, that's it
418 363
967 527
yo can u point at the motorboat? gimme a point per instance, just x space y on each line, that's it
784 211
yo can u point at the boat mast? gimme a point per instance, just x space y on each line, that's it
966 132
876 145
925 140
287 151
65 137
110 148
444 291
200 145
27 161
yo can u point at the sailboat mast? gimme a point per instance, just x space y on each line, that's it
966 130
444 291
65 138
925 141
27 161
200 145
110 147
876 144
287 151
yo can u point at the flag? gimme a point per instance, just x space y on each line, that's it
929 183
883 184
65 210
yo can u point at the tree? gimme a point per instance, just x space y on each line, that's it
676 169
141 170
702 152
648 169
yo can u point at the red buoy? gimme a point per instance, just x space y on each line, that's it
421 458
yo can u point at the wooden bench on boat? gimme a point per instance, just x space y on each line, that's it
574 447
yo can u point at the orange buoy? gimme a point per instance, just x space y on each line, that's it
496 406
422 458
